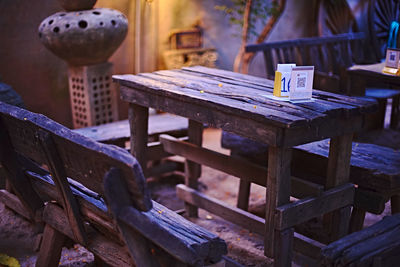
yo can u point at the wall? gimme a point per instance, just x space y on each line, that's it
218 32
34 72
40 77
37 75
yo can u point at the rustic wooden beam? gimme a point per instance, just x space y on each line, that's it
50 248
278 194
12 201
235 166
155 151
138 119
232 214
109 251
242 218
338 173
307 246
193 169
303 210
197 112
243 194
59 177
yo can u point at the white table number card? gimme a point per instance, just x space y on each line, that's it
301 83
282 80
392 61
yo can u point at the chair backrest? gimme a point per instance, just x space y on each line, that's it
329 55
27 136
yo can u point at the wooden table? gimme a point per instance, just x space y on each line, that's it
363 76
236 103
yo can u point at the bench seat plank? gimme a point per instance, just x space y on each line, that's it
372 166
119 130
363 244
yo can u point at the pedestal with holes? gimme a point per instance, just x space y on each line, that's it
93 95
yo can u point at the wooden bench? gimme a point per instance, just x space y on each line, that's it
157 162
118 133
375 169
376 246
94 194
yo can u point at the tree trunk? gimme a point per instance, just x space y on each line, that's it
246 58
245 34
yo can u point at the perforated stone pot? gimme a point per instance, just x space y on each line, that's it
84 37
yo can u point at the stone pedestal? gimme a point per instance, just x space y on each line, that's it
86 38
93 95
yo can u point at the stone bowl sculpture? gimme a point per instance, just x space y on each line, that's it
84 37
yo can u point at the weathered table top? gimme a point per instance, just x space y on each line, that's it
369 67
374 72
237 103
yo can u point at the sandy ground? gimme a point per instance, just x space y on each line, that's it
18 237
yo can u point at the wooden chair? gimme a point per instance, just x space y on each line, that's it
330 56
94 194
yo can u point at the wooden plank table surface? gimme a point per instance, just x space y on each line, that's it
363 76
237 103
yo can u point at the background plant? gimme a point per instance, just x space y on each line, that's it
247 14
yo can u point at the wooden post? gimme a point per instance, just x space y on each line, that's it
380 122
395 204
283 247
50 249
394 118
192 169
357 220
244 194
244 190
338 173
138 122
59 176
278 193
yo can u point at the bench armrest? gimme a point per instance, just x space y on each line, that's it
184 240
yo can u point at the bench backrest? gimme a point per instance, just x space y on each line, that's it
329 55
28 139
40 139
30 142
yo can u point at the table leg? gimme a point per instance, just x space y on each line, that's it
278 243
394 118
138 122
192 169
357 85
337 222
